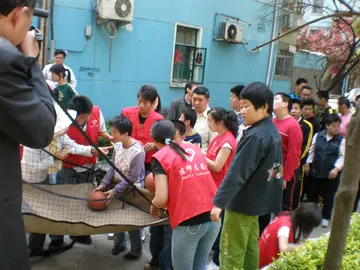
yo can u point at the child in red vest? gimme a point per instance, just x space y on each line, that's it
185 187
143 117
220 154
90 118
287 229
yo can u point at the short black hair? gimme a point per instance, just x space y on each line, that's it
148 93
296 101
259 94
236 90
323 94
7 6
285 98
309 101
190 114
60 52
306 87
80 104
344 100
357 97
189 85
180 127
332 118
122 124
300 81
202 91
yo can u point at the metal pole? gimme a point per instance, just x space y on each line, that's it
272 44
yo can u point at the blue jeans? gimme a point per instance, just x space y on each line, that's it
191 245
160 246
135 241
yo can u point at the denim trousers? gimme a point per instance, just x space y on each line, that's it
160 246
135 241
191 245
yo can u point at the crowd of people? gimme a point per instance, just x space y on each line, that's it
220 174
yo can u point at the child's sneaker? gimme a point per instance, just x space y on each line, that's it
212 266
324 223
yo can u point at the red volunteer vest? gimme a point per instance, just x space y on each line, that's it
92 130
142 132
269 242
190 185
214 149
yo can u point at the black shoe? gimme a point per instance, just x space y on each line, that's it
131 256
85 240
38 253
55 245
117 249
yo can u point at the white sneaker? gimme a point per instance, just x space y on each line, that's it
212 266
324 223
110 236
143 236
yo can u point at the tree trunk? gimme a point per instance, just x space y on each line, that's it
345 197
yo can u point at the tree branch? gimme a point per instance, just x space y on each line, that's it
346 5
336 14
339 77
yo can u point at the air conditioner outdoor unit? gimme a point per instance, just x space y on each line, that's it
118 10
231 31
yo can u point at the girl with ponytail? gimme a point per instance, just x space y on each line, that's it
184 186
220 154
63 90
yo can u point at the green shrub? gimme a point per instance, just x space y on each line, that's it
103 142
311 255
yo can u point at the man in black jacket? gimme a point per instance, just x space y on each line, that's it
325 108
27 117
178 106
309 114
307 130
253 185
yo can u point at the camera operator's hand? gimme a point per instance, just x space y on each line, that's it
29 46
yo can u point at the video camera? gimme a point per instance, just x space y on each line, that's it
42 13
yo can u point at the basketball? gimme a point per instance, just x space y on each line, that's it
150 182
97 205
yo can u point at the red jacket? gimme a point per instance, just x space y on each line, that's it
291 137
190 185
269 242
21 151
214 149
92 130
142 132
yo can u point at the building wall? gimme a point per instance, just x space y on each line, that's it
306 65
142 52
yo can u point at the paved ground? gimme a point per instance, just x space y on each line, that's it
98 256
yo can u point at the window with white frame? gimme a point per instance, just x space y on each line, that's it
284 62
189 58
